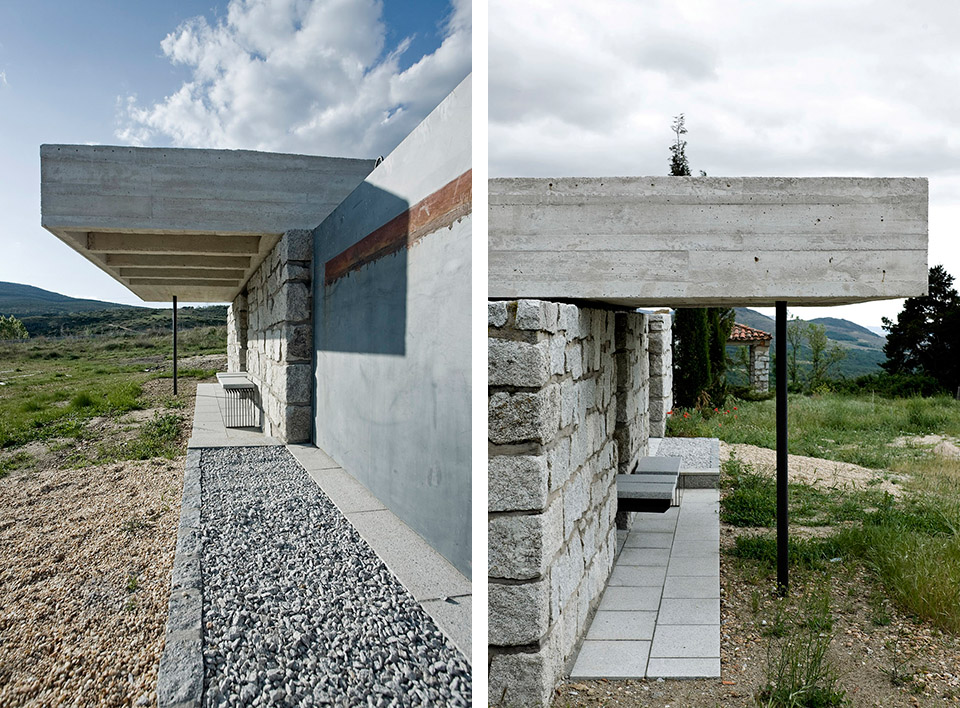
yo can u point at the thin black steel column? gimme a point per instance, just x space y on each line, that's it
783 580
174 345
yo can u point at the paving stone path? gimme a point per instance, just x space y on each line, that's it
660 613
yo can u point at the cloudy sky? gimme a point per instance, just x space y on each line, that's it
329 77
787 88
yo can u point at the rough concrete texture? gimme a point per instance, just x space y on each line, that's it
566 383
708 241
392 334
191 223
269 337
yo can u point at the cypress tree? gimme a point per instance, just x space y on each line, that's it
700 334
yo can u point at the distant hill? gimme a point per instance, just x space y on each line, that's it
50 314
23 300
864 348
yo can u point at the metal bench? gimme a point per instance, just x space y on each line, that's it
652 488
241 401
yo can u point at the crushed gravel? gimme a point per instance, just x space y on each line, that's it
297 609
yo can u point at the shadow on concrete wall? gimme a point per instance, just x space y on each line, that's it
360 291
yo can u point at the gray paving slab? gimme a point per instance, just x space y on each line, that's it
345 492
648 539
695 548
682 587
637 576
622 625
312 458
424 573
689 611
631 598
683 668
611 659
667 525
685 641
703 565
453 616
644 556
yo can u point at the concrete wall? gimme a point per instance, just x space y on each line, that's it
392 267
708 241
269 335
660 348
556 383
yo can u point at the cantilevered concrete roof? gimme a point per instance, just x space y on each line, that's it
699 241
190 223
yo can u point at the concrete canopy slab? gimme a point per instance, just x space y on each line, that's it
699 241
190 223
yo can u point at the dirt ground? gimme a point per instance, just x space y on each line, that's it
85 559
873 643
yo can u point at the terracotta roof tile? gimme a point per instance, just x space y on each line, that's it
742 333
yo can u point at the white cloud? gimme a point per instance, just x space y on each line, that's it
790 88
3 78
794 88
309 76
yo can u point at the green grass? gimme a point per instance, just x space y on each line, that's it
17 461
52 388
158 437
848 428
911 545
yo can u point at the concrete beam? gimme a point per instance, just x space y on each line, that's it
193 282
180 261
201 273
196 244
696 241
174 208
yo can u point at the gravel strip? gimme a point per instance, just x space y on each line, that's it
696 453
297 609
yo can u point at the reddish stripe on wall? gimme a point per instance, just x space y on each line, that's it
447 205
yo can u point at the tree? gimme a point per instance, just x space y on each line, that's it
824 354
925 339
691 339
698 331
12 328
679 166
795 343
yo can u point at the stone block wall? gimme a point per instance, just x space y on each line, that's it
552 495
277 349
633 392
760 367
237 334
660 347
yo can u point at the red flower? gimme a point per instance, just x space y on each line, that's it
734 408
669 412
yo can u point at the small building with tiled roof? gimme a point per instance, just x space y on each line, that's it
759 343
742 334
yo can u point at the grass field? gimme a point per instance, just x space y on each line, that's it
907 547
56 390
856 429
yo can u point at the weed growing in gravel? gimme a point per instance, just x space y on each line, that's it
15 462
752 501
133 582
799 672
